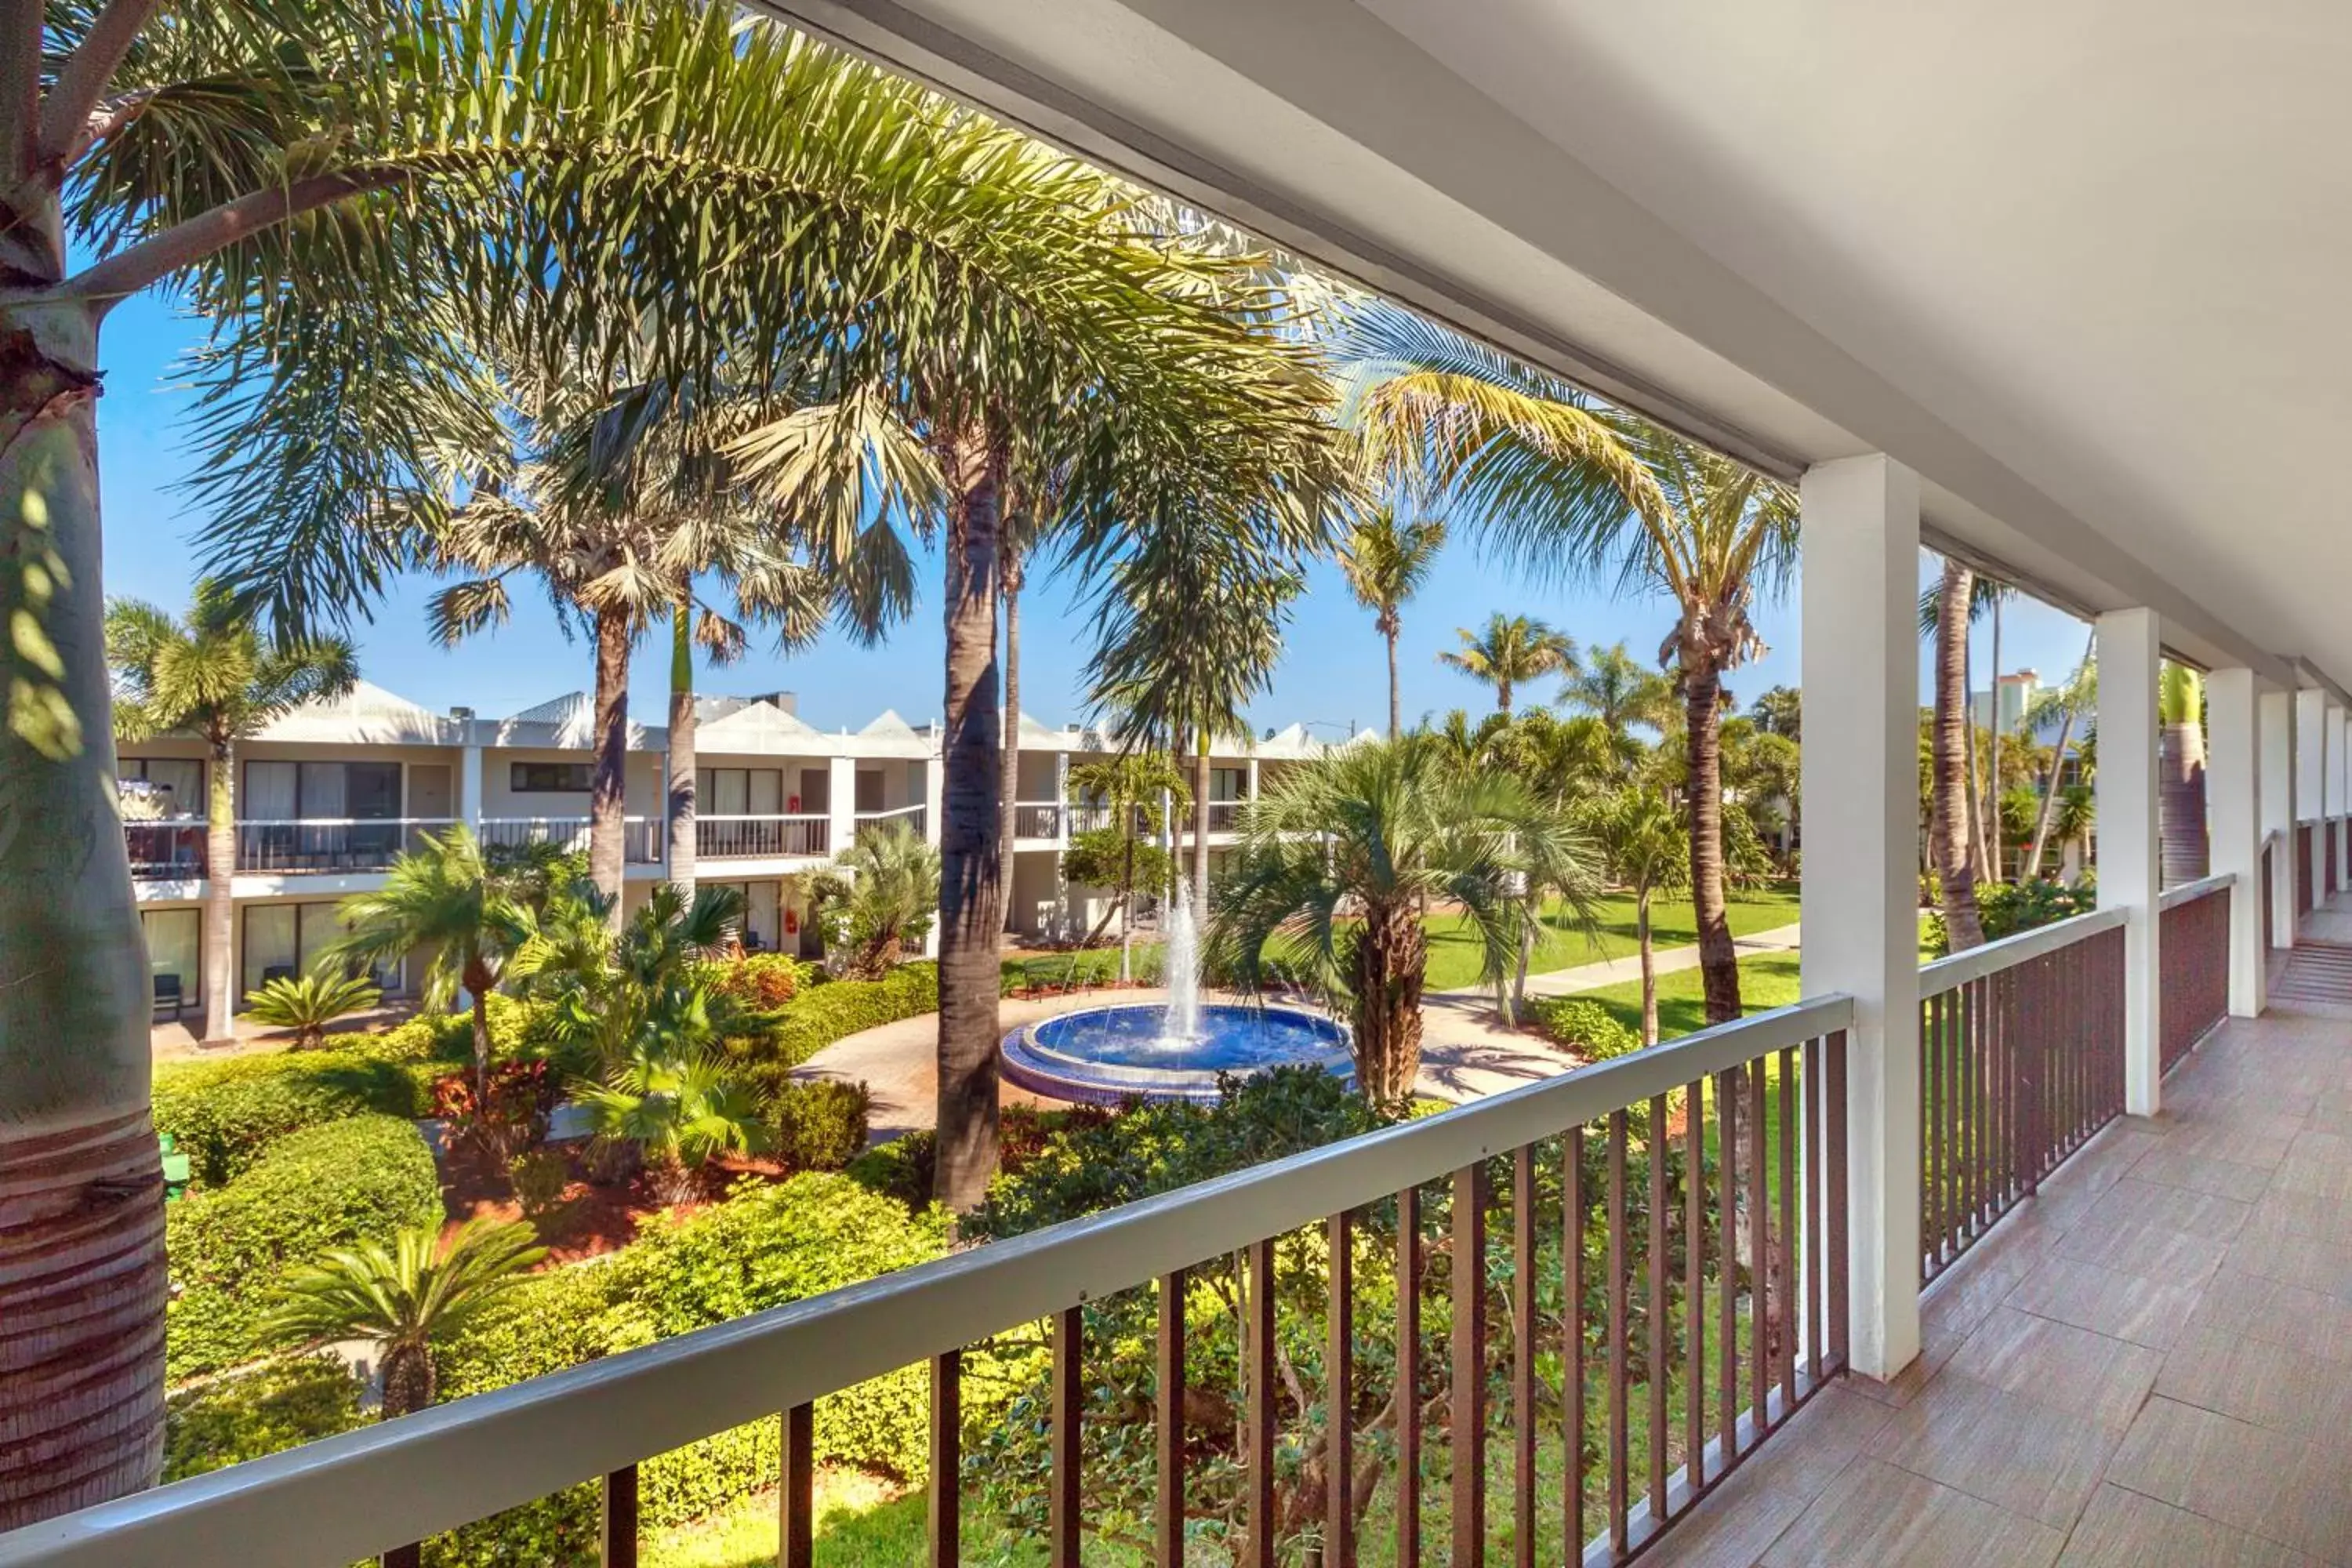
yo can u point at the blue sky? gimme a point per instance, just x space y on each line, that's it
1332 672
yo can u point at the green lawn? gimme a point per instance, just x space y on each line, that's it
1454 953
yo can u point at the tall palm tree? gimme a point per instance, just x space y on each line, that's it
2070 704
879 896
1510 652
1647 846
2180 796
406 1298
1336 858
470 911
1386 562
1621 691
1130 785
1565 487
212 675
754 198
1952 810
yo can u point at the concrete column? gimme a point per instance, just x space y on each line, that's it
1062 798
1252 778
2278 811
2130 867
2233 796
841 802
1861 898
470 788
2311 785
2339 792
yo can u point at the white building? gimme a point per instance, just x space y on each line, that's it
328 795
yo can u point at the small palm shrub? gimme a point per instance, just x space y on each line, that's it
307 1004
821 1123
878 900
679 1114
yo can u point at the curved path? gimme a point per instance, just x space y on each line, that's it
1461 1058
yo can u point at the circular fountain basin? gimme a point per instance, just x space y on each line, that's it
1102 1056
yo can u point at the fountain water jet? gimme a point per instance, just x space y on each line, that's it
1183 963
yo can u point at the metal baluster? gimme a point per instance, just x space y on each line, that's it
946 1458
1259 1347
1063 1505
1340 1431
1658 1429
1760 1263
1620 1371
1409 1257
1816 1235
1168 1534
618 1520
1523 1356
1727 1114
1571 1236
1695 1282
1834 1176
1469 1427
796 1534
1789 1235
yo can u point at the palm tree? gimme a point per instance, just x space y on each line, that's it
214 676
1511 651
635 993
1621 691
1779 711
1647 849
470 911
679 1112
1130 785
1951 811
878 897
1565 487
1386 562
2180 797
406 1298
2070 704
754 196
1336 858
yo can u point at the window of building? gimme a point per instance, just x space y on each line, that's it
287 939
174 953
1228 783
176 782
552 778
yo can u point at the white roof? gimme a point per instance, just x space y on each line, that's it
366 714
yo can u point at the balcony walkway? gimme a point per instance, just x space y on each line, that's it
2148 1366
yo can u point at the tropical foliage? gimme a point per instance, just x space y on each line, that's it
878 900
1509 652
308 1004
1336 859
1647 849
1386 562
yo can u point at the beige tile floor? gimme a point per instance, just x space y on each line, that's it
2148 1366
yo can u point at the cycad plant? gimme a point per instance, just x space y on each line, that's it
406 1298
1386 562
677 1113
1336 859
214 676
1564 486
1509 652
878 898
307 1004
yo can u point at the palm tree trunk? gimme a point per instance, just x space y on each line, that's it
1955 872
220 903
408 1381
1396 707
1126 902
1649 967
971 828
82 1266
2057 771
1718 960
479 985
608 796
1391 961
1201 828
681 760
1975 778
1009 584
1502 698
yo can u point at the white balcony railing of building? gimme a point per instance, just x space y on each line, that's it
328 844
1225 815
1664 1165
724 838
162 851
643 838
917 818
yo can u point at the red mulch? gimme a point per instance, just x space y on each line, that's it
592 1220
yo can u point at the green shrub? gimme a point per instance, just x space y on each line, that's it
365 1177
2005 909
762 1247
821 1123
222 1114
540 1178
517 1028
770 1043
1586 1028
760 981
278 1405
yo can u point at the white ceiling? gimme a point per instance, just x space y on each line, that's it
2078 262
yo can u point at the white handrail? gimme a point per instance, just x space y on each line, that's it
765 816
2189 892
364 1492
1993 957
909 811
345 821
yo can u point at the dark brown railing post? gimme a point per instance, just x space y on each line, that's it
1523 1356
1062 1502
797 1527
1338 1373
617 1538
1408 1373
1169 1507
946 1520
1468 1433
1258 1344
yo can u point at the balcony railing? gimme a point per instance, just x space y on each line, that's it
1225 815
722 837
2021 1061
1640 1271
328 844
2307 846
1037 819
2193 979
915 817
643 838
165 851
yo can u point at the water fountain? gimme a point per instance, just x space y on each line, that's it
1174 1050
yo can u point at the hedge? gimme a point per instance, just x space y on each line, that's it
769 1044
363 1178
1586 1028
277 1404
766 1246
517 1029
222 1114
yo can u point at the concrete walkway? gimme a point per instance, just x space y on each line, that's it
1614 970
1462 1056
